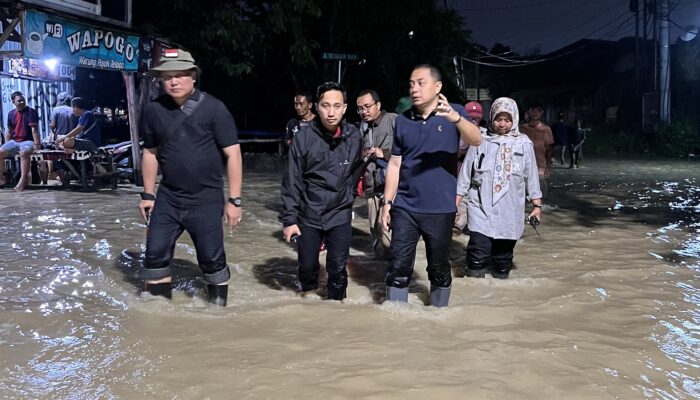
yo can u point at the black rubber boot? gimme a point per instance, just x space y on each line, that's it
475 273
500 275
477 267
440 296
159 289
397 294
501 269
336 292
217 294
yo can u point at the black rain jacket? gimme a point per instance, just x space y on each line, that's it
318 187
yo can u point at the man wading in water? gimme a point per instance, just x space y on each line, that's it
193 138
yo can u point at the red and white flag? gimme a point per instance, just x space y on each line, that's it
171 53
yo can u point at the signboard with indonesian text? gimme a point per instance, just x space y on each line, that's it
48 37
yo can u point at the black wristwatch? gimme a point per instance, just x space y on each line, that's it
147 196
236 201
385 202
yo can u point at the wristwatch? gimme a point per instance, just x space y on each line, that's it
236 201
385 202
147 196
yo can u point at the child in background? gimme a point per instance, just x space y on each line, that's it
497 177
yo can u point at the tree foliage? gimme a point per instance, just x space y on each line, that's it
255 54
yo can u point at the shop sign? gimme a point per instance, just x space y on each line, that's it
69 42
34 68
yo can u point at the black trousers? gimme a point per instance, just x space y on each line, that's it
203 222
337 241
406 229
484 252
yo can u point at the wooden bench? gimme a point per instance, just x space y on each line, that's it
102 160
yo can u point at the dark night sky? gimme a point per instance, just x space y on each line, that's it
547 25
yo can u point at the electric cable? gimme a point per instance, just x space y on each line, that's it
521 63
541 3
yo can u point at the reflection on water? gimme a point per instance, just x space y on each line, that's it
604 305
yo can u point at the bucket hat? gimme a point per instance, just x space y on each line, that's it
174 60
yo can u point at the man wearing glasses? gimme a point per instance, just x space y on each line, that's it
377 128
318 191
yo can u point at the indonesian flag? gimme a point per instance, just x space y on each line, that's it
171 53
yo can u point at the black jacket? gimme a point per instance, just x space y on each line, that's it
318 187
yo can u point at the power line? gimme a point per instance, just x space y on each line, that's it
520 63
576 28
541 3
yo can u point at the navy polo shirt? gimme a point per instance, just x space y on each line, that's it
428 150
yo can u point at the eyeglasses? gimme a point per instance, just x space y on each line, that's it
366 107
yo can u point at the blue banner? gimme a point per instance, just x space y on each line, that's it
68 42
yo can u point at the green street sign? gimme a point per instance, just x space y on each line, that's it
340 56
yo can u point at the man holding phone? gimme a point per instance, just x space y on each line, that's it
318 191
377 128
421 185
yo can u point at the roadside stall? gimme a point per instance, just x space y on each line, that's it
50 52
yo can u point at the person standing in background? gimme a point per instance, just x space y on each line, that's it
541 136
576 143
303 102
377 129
562 133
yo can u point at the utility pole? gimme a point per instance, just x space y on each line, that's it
645 44
477 76
664 64
634 7
639 112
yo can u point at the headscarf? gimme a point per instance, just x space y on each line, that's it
503 167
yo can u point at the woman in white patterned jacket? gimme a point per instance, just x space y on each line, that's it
498 177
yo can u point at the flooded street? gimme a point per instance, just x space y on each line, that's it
604 305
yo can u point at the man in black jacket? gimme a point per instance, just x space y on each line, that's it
318 190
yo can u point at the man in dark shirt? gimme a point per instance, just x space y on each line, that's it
22 137
302 105
562 133
421 185
193 138
86 136
318 191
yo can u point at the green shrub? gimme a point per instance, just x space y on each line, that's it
678 139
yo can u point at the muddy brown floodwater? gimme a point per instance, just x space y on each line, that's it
604 305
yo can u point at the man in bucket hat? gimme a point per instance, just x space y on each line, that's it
193 138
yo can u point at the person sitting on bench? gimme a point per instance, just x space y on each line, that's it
86 135
22 138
